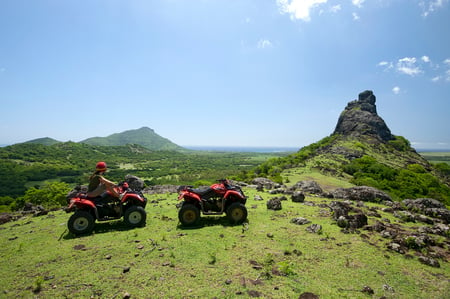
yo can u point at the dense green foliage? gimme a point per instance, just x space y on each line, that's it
412 182
31 165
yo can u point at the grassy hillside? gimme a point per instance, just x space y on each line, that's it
145 137
44 141
268 257
393 166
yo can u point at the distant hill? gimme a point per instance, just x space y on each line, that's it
362 151
144 136
44 141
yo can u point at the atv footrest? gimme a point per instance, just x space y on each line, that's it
212 213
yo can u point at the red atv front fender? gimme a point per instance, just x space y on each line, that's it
233 193
80 203
189 196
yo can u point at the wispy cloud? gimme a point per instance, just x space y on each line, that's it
358 3
299 9
335 8
408 66
386 64
302 9
431 6
264 43
413 66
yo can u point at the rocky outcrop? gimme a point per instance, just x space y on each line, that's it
311 187
360 117
362 193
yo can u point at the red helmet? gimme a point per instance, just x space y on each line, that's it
101 166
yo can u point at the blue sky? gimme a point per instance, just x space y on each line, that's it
222 72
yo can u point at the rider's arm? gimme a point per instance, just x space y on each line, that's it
106 181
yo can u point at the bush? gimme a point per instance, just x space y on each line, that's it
400 143
51 195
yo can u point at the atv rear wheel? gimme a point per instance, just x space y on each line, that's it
135 216
189 215
81 222
236 213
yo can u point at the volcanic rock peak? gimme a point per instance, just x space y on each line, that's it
360 118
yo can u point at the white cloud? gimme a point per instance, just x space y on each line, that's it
335 8
264 43
425 58
413 66
299 9
396 90
408 66
355 16
436 79
431 5
386 64
358 3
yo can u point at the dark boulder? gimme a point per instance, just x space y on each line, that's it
298 196
274 204
134 182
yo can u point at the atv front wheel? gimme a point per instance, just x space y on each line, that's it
81 222
135 216
189 215
237 213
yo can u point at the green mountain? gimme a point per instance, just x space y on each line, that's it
44 141
143 136
362 151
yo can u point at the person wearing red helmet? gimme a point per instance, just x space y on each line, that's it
98 184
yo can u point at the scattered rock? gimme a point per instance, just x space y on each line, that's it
255 265
265 183
274 204
311 187
300 221
429 261
258 197
79 247
308 295
298 196
314 228
368 290
253 293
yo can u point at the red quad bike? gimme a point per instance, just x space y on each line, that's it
219 198
130 206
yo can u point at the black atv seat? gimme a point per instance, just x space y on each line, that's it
201 192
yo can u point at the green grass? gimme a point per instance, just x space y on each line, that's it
436 157
269 256
327 183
